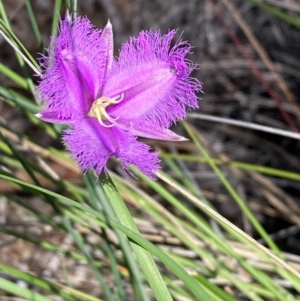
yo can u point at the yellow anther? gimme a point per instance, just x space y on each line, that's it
98 109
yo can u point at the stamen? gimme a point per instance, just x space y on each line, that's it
98 109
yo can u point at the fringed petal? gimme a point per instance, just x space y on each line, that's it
91 145
137 153
154 80
79 60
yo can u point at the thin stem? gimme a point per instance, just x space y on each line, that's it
35 70
248 125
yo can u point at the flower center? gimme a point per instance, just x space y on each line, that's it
98 109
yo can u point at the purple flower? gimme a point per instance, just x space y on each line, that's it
110 102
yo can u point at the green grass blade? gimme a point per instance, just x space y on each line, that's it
34 25
276 12
6 28
81 244
270 171
19 100
57 7
63 291
19 80
17 290
73 6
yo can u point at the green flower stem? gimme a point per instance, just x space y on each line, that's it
144 258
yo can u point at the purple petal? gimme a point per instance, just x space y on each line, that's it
152 132
54 117
108 52
155 81
76 68
138 153
93 53
92 145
